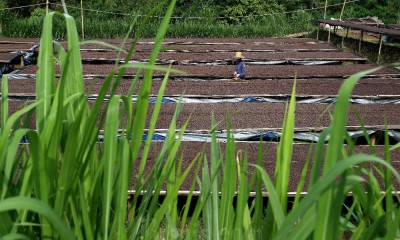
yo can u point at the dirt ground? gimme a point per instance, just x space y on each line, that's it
262 80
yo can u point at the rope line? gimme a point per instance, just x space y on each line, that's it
140 15
248 16
26 6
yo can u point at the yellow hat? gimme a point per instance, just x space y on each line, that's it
239 55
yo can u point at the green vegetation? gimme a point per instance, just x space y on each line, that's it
65 184
200 18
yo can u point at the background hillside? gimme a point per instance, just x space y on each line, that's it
192 18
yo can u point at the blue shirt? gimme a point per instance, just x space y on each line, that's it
240 69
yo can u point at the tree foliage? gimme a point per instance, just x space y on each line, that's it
232 11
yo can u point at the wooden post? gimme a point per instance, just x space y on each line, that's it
326 5
342 39
373 139
380 47
319 26
361 38
83 26
347 33
329 34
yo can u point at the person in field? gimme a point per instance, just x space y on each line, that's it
240 68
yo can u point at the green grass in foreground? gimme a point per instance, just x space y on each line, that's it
66 185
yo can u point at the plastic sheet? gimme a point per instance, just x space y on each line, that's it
274 136
29 55
4 68
222 62
327 100
266 136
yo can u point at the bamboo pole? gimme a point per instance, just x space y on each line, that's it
341 13
47 7
64 6
326 5
83 25
361 38
380 47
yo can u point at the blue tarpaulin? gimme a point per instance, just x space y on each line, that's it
249 99
268 136
163 100
155 137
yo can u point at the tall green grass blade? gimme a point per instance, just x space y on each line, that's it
52 131
274 201
284 155
11 160
153 121
104 44
199 157
75 76
12 236
45 79
318 157
257 220
215 203
328 223
122 194
172 194
41 208
142 103
4 101
242 227
172 231
6 130
158 175
228 187
207 207
303 177
110 156
282 168
391 218
205 188
85 214
324 184
305 227
76 219
68 170
39 167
